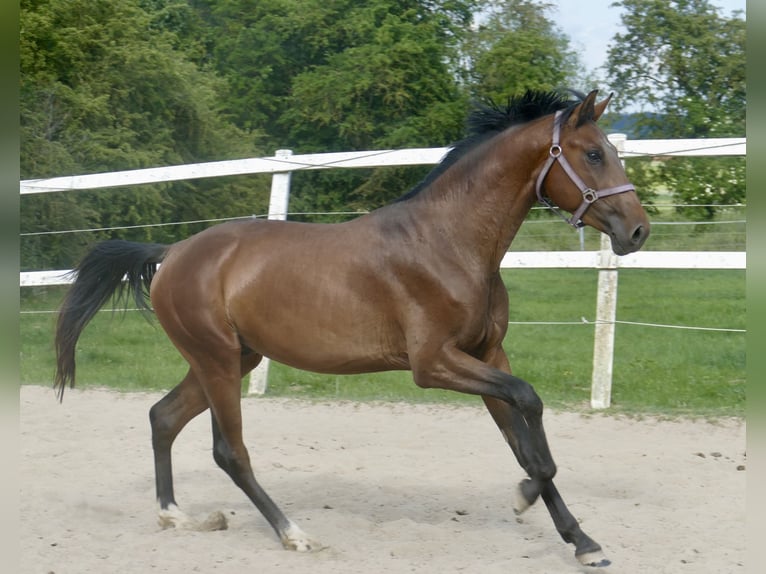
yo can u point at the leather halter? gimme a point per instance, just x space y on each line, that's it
589 195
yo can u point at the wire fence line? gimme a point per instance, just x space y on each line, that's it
341 213
582 322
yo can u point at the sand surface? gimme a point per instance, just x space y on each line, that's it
387 488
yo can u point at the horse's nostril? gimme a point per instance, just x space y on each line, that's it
638 234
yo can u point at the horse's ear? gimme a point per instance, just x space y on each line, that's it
599 108
586 111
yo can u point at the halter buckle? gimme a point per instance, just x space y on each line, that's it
589 195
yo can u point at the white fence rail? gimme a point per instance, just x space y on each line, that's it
531 260
283 163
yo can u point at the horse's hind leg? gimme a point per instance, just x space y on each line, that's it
292 537
168 417
231 455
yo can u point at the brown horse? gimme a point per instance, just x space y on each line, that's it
413 285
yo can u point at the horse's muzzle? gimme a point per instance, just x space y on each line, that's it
624 243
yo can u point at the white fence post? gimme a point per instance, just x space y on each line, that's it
603 340
606 314
278 203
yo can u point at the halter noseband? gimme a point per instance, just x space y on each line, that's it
588 195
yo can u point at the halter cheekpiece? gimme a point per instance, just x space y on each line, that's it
589 195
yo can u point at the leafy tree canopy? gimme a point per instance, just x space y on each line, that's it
517 47
684 60
104 87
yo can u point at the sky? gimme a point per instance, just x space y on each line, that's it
591 24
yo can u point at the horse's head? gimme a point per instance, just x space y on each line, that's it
584 176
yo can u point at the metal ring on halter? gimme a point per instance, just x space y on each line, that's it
556 150
589 195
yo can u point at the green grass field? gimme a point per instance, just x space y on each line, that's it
656 370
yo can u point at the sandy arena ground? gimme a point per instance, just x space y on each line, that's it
387 488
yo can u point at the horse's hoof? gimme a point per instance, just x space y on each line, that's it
174 517
594 559
520 504
524 496
295 539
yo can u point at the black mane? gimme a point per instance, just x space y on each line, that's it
489 119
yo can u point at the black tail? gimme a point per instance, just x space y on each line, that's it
100 275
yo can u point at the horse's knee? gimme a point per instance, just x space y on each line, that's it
529 402
547 470
541 468
424 378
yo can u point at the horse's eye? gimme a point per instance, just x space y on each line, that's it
594 156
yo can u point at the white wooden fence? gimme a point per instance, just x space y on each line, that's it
283 163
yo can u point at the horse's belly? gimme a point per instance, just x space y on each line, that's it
330 332
325 350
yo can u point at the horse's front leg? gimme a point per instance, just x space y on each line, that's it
518 432
517 410
587 551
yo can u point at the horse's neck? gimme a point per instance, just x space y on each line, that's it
485 196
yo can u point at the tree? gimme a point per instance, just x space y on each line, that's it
395 85
343 75
101 90
104 87
518 48
684 61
